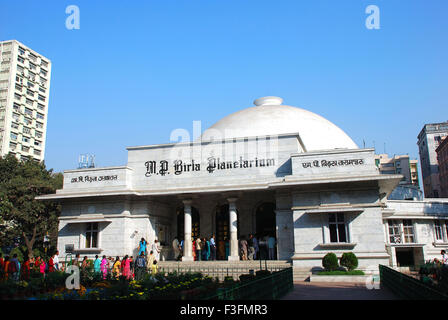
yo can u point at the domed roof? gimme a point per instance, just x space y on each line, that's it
270 117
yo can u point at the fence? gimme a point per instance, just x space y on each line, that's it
407 287
221 272
270 287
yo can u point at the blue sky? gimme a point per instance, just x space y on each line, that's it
136 70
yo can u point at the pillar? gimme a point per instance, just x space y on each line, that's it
187 254
233 244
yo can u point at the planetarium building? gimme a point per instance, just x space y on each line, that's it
270 169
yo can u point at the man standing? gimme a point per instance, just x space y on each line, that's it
176 249
14 267
140 266
156 249
250 243
271 247
56 261
256 247
212 248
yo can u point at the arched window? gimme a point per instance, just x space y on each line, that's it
195 223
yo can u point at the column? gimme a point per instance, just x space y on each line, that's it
233 244
188 255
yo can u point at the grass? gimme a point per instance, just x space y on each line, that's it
341 273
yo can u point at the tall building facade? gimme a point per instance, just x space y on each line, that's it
24 96
442 158
400 164
429 139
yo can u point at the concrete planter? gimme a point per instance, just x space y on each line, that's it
327 278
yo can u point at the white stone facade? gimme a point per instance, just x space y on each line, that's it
331 200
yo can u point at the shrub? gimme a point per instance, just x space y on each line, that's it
349 260
263 273
246 277
330 262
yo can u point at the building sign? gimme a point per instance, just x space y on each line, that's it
332 163
163 167
94 178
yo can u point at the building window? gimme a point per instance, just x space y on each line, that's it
20 59
12 146
39 125
338 228
40 116
21 51
26 130
16 117
92 235
13 136
408 230
401 231
394 232
29 102
38 134
32 66
17 96
37 143
41 97
28 121
25 139
43 72
28 111
37 152
14 126
40 106
25 149
438 230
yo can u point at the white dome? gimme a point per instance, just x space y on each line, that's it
270 117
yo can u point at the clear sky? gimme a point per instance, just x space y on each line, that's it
136 70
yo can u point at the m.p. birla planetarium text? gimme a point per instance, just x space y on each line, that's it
162 167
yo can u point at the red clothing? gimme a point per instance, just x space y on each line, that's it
2 262
26 270
50 265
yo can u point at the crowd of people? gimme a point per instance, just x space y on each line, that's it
203 249
253 247
13 269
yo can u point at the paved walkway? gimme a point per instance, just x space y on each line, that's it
336 291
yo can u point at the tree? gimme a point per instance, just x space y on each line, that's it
21 215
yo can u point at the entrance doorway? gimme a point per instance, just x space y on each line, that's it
195 223
222 233
265 228
405 257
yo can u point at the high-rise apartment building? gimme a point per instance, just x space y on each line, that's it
24 94
429 139
442 159
398 165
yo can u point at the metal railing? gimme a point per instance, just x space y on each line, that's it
270 287
407 287
220 272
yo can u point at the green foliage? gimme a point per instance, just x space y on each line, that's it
21 215
349 260
330 262
341 273
19 253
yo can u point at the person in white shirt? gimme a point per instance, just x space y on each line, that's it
56 260
156 249
444 257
